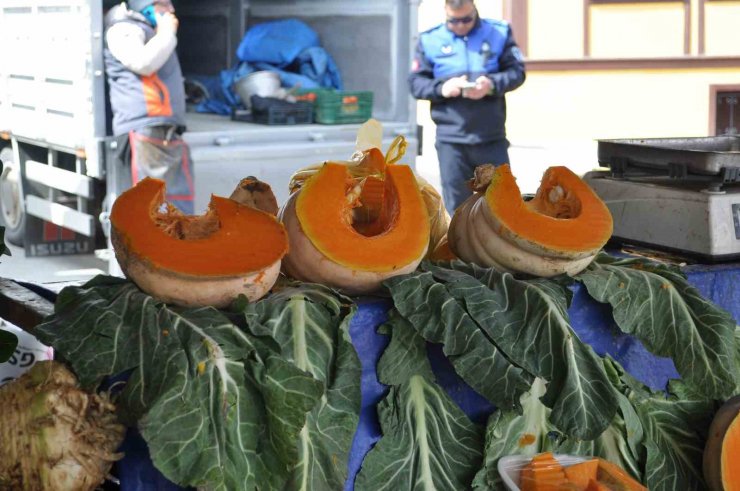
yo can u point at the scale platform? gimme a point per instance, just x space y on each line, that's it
676 194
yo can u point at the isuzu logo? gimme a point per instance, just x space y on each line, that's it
58 241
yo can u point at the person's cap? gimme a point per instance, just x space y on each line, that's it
139 5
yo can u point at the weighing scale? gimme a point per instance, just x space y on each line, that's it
675 194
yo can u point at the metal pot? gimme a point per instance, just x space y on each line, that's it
262 83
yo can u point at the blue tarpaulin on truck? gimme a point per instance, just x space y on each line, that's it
288 47
591 320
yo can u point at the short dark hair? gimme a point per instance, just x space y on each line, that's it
456 4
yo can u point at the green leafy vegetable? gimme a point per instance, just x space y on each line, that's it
311 326
737 359
406 354
428 443
532 432
657 305
8 343
218 407
527 323
675 431
657 438
439 318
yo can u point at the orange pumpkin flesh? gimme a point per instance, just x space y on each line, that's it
565 219
328 245
232 249
581 474
323 210
367 169
617 478
730 457
721 462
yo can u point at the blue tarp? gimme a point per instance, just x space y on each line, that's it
592 322
289 47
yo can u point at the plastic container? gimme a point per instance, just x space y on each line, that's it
288 114
263 83
510 467
343 107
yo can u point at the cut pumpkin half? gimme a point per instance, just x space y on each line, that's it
195 260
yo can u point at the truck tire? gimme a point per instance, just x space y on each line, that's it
11 199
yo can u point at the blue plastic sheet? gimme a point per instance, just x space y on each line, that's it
288 47
592 322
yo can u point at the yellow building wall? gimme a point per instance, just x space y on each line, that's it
722 28
637 30
555 29
587 105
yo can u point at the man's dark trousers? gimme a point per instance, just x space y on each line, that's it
457 161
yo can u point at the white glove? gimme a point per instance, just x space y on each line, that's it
167 22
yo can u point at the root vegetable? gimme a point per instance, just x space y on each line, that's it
53 435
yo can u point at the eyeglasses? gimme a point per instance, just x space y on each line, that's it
461 20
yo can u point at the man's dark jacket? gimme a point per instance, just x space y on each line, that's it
488 49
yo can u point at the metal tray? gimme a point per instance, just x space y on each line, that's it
703 155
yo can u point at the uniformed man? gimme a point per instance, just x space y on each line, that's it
464 67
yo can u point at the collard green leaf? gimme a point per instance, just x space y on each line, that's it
428 443
8 343
657 305
674 448
405 356
528 322
310 324
675 429
532 432
440 318
737 359
218 407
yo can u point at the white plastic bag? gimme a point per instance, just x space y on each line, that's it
27 353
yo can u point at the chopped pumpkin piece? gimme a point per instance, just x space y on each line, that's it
543 473
594 485
581 474
617 478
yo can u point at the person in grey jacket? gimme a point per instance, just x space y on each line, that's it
464 67
147 96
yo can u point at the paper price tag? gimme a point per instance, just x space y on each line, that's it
29 351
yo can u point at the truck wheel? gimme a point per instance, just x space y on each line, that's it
11 199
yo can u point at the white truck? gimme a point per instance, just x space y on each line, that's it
58 180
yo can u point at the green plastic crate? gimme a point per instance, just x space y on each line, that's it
343 106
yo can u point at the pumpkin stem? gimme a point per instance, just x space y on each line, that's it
396 150
256 194
482 177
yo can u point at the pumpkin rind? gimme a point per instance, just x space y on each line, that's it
523 224
325 248
721 454
483 234
442 251
211 270
370 166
